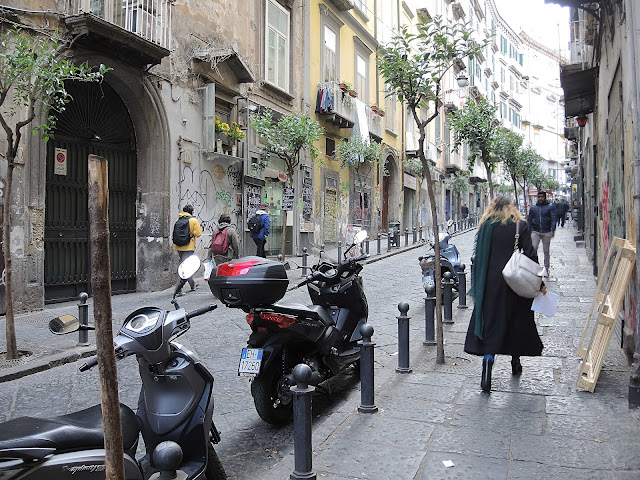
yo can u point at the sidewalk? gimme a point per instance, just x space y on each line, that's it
47 351
536 426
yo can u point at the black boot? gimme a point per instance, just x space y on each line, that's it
485 382
516 366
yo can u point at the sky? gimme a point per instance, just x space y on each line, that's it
539 20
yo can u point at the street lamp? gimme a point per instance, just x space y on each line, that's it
462 80
582 120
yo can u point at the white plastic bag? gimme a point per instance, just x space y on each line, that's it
208 268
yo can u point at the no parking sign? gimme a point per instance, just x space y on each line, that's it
60 158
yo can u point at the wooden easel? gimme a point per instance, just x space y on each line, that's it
606 305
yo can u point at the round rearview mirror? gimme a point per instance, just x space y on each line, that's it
360 236
189 266
449 223
64 324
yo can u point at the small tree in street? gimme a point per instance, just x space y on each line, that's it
32 77
413 66
531 170
413 165
476 126
287 139
509 149
363 156
459 184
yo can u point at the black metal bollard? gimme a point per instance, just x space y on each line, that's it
367 404
83 317
339 251
321 250
302 395
471 268
414 234
406 237
420 232
447 297
366 246
379 236
390 240
462 288
403 339
429 316
304 261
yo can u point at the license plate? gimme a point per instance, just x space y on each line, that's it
428 281
250 361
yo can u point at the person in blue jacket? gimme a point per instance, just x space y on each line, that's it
260 238
542 222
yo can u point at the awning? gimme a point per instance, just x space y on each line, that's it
579 89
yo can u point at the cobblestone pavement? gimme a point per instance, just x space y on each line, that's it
536 426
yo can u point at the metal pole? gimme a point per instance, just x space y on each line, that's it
304 261
367 404
429 316
420 232
462 289
447 295
83 317
366 246
302 451
403 339
389 240
379 244
414 234
406 237
339 251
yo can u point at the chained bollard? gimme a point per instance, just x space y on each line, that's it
447 300
304 261
429 316
83 317
367 404
302 395
414 234
406 237
339 251
379 243
403 339
462 288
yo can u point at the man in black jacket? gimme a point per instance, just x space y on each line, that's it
563 208
542 221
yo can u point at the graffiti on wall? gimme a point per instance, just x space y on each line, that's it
605 216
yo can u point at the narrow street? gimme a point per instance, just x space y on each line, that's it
534 426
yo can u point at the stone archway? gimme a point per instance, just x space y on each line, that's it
391 190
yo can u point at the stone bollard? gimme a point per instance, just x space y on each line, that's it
403 339
462 288
379 236
367 404
447 297
302 395
429 316
304 261
406 237
339 251
83 317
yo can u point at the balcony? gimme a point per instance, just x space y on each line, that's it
458 11
341 110
374 122
136 31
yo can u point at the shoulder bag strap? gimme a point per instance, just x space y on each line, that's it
515 246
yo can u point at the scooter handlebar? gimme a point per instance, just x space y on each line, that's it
92 362
200 311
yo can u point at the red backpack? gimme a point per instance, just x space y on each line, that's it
220 242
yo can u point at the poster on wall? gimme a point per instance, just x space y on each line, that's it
352 230
254 197
307 197
60 167
287 198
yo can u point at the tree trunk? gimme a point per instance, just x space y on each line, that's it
515 189
284 235
10 328
487 167
101 285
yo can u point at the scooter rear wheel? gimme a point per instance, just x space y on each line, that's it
272 406
215 470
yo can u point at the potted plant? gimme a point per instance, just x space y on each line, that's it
374 108
345 86
221 128
235 134
353 93
381 112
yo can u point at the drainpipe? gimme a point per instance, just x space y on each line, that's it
632 38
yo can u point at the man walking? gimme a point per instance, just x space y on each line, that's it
185 231
542 222
563 208
465 213
259 234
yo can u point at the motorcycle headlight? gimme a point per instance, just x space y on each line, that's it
143 322
426 263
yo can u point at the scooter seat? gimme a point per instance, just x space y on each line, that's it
313 311
81 429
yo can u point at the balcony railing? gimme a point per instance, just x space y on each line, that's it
374 121
150 19
341 110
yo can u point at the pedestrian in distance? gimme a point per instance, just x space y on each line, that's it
224 244
465 213
562 209
542 222
259 229
185 231
501 322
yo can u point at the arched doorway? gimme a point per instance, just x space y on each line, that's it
95 122
390 190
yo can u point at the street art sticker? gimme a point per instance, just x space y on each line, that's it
307 198
605 215
224 197
288 195
254 196
234 175
330 215
154 223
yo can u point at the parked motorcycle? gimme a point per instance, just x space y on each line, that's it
174 412
450 261
323 335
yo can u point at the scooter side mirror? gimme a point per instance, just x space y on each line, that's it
189 266
360 236
64 324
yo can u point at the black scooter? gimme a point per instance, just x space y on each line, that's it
323 335
450 261
174 413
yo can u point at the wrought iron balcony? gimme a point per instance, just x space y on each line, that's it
335 106
374 121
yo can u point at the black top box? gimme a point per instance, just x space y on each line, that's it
249 282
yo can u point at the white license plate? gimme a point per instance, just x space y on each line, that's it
428 281
250 361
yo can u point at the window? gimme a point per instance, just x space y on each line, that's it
493 96
503 44
512 84
329 58
390 103
502 75
277 46
361 77
503 110
209 114
521 60
330 147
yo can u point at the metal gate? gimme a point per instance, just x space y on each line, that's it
95 122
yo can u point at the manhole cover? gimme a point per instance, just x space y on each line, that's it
23 357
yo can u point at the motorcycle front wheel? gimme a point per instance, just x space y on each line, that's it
215 470
272 406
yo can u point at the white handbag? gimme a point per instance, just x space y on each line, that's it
208 268
523 275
